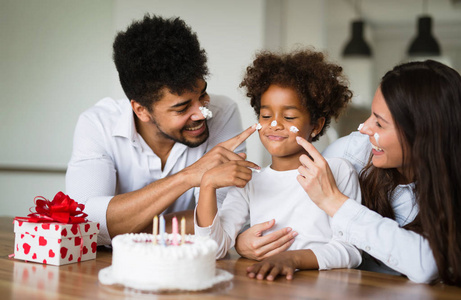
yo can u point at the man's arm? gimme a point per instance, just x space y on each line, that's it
133 211
92 180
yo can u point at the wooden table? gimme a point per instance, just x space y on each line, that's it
27 280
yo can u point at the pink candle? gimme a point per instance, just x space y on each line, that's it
175 231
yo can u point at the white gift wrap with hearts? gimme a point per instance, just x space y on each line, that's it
55 243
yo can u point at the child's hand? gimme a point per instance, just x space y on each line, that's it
280 264
232 173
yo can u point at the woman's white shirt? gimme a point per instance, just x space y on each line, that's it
384 239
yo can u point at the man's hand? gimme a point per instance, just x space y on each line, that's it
253 245
232 173
220 154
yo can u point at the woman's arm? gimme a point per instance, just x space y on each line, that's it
402 250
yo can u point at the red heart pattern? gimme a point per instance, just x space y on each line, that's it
94 245
63 252
74 248
74 229
42 241
26 248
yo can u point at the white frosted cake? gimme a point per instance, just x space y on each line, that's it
140 264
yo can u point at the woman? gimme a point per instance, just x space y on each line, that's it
409 219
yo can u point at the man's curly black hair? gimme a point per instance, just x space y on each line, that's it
156 53
321 86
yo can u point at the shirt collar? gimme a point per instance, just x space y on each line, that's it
126 126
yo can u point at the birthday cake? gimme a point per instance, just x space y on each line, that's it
139 262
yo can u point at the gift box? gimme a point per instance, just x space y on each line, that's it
57 233
55 243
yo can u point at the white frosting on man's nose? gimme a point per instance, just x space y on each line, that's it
206 112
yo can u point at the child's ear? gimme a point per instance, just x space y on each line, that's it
140 111
319 125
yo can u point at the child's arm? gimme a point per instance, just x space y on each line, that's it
284 263
233 173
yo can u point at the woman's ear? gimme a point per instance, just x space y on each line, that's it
141 111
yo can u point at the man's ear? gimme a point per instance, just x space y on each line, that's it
140 111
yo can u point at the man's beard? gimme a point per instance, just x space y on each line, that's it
192 144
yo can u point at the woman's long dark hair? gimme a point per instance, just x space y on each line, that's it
424 99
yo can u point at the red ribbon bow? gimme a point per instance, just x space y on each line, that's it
62 210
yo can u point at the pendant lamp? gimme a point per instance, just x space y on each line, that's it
357 46
425 43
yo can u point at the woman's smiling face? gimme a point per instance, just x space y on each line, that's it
380 127
281 109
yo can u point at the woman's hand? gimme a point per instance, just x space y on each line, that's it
253 245
318 181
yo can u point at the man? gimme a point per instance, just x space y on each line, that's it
137 158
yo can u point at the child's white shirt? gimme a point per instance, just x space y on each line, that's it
277 195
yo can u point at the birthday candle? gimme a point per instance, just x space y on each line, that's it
175 231
155 230
162 230
183 230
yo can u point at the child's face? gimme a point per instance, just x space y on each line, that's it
280 110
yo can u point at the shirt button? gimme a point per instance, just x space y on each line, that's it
340 233
392 261
367 248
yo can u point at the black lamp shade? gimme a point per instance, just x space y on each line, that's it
357 46
424 44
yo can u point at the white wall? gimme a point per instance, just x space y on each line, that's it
56 61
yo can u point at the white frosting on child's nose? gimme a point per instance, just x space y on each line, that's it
360 127
274 123
294 129
206 112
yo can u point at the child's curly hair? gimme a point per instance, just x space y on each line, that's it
321 86
155 53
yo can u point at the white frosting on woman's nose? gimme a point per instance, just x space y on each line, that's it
376 136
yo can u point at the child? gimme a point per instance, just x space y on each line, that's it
293 95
